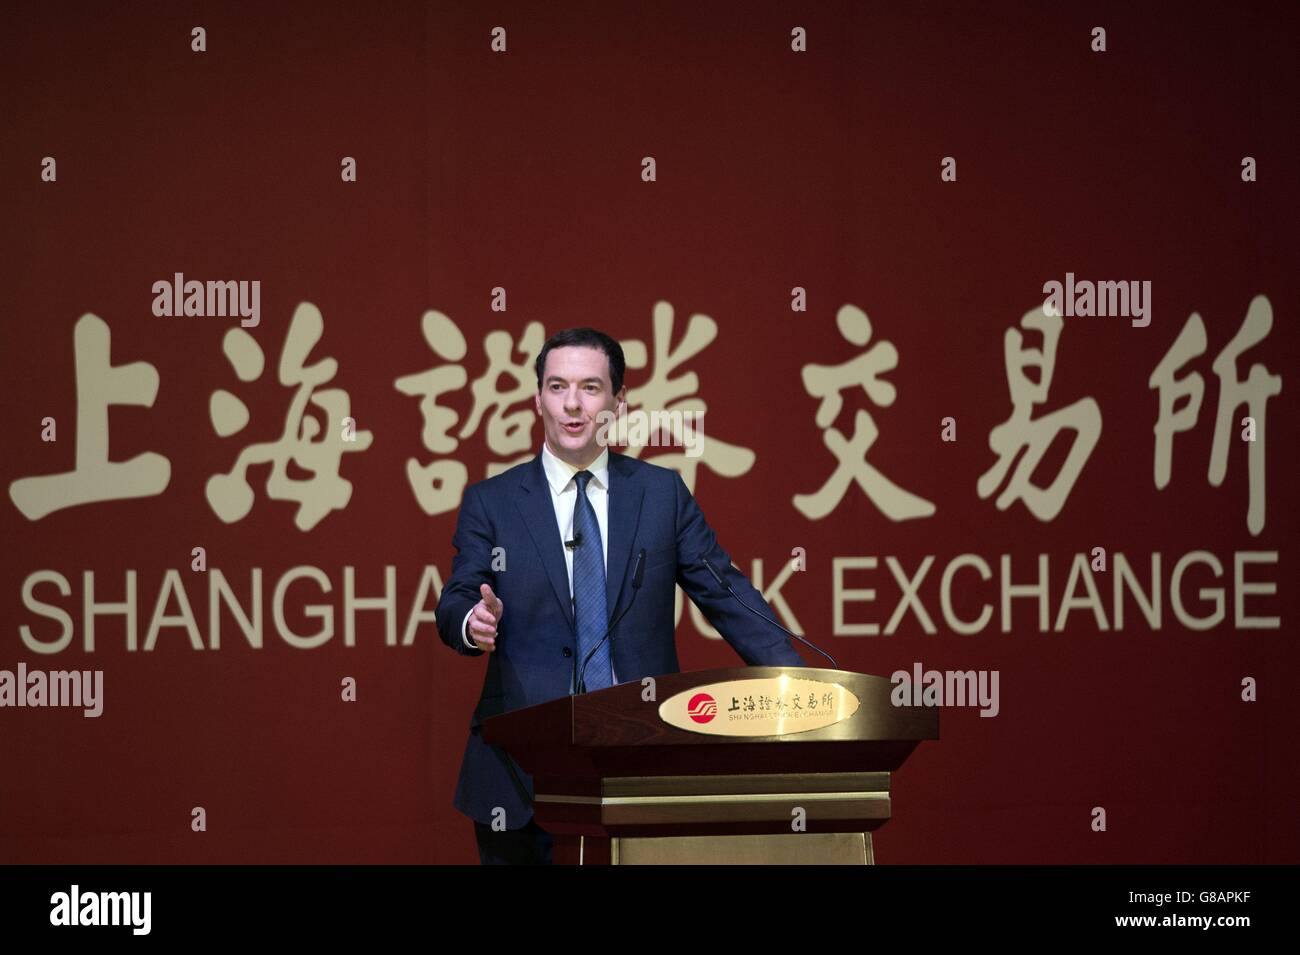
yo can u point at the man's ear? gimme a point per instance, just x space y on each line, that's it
621 399
537 403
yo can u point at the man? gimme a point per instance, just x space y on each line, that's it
545 555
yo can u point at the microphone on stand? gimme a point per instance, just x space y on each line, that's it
763 616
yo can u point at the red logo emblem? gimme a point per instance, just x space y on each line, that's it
702 708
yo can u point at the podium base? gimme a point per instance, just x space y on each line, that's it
802 848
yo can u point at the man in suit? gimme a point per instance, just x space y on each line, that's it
545 557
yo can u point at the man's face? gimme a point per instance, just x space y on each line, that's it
575 389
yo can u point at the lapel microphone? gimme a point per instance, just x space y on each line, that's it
576 542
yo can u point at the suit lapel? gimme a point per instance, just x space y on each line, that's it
539 517
625 494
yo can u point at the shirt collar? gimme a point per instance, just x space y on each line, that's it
560 473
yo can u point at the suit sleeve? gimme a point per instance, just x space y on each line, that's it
470 569
758 642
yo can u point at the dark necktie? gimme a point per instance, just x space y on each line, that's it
589 591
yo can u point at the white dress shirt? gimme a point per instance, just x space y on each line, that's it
564 498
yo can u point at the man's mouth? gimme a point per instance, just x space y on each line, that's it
574 427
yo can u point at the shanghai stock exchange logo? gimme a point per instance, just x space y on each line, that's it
702 708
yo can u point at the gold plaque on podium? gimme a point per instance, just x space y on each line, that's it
773 706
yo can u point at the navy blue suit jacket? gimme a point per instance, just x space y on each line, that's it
649 507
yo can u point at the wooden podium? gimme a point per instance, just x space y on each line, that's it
745 765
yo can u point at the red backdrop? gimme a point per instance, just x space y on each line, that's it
523 171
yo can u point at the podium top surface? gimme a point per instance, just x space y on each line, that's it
732 706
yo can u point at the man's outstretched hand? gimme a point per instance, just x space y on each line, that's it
483 620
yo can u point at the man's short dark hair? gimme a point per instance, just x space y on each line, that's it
586 338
